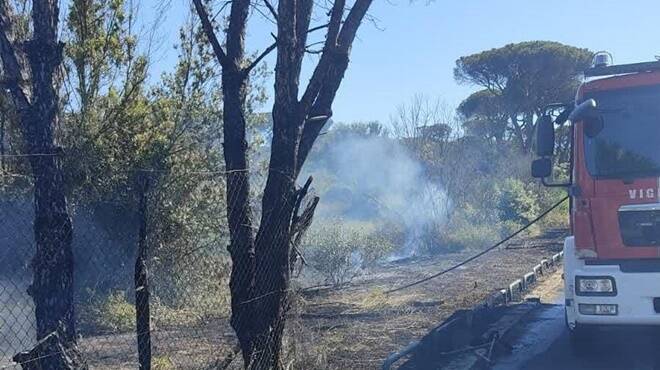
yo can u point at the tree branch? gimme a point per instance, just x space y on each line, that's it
301 220
240 10
286 93
317 28
326 79
315 82
271 8
256 61
210 32
337 46
303 19
222 8
352 23
336 15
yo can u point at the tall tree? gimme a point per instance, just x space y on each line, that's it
518 81
261 262
484 116
31 72
105 102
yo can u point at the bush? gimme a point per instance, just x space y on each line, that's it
110 313
522 202
557 219
162 363
193 289
469 228
340 249
518 202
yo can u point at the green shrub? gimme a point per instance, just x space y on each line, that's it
162 363
110 313
522 202
378 241
557 219
518 202
472 236
339 249
468 228
195 288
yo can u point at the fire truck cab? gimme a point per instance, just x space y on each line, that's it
612 258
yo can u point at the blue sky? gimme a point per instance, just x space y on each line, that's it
415 46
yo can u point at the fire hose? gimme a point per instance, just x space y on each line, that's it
474 257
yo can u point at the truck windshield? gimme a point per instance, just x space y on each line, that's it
629 143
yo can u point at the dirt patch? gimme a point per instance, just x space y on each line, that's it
550 289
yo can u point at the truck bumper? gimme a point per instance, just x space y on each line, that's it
634 297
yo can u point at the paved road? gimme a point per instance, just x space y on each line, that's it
544 344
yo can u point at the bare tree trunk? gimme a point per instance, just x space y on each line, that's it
37 104
239 213
142 293
518 131
273 257
52 288
261 266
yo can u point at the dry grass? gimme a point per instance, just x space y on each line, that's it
359 325
353 327
550 289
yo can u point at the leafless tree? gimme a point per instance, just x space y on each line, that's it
261 261
425 123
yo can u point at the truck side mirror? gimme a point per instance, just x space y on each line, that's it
584 109
545 136
541 168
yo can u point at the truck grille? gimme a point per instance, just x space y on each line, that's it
640 225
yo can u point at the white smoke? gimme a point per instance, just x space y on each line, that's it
376 176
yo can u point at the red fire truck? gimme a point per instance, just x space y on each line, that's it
612 259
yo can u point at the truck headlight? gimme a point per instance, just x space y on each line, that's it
595 286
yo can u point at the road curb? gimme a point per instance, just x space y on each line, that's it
519 286
450 336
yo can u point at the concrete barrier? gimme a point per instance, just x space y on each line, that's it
529 279
509 294
556 258
516 289
545 263
499 298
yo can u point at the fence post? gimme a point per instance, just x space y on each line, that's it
142 316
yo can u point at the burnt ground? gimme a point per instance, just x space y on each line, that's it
358 326
351 327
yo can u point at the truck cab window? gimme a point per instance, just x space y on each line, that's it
614 147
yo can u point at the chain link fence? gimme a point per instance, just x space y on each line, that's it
187 266
339 313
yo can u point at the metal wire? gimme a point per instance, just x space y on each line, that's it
489 249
